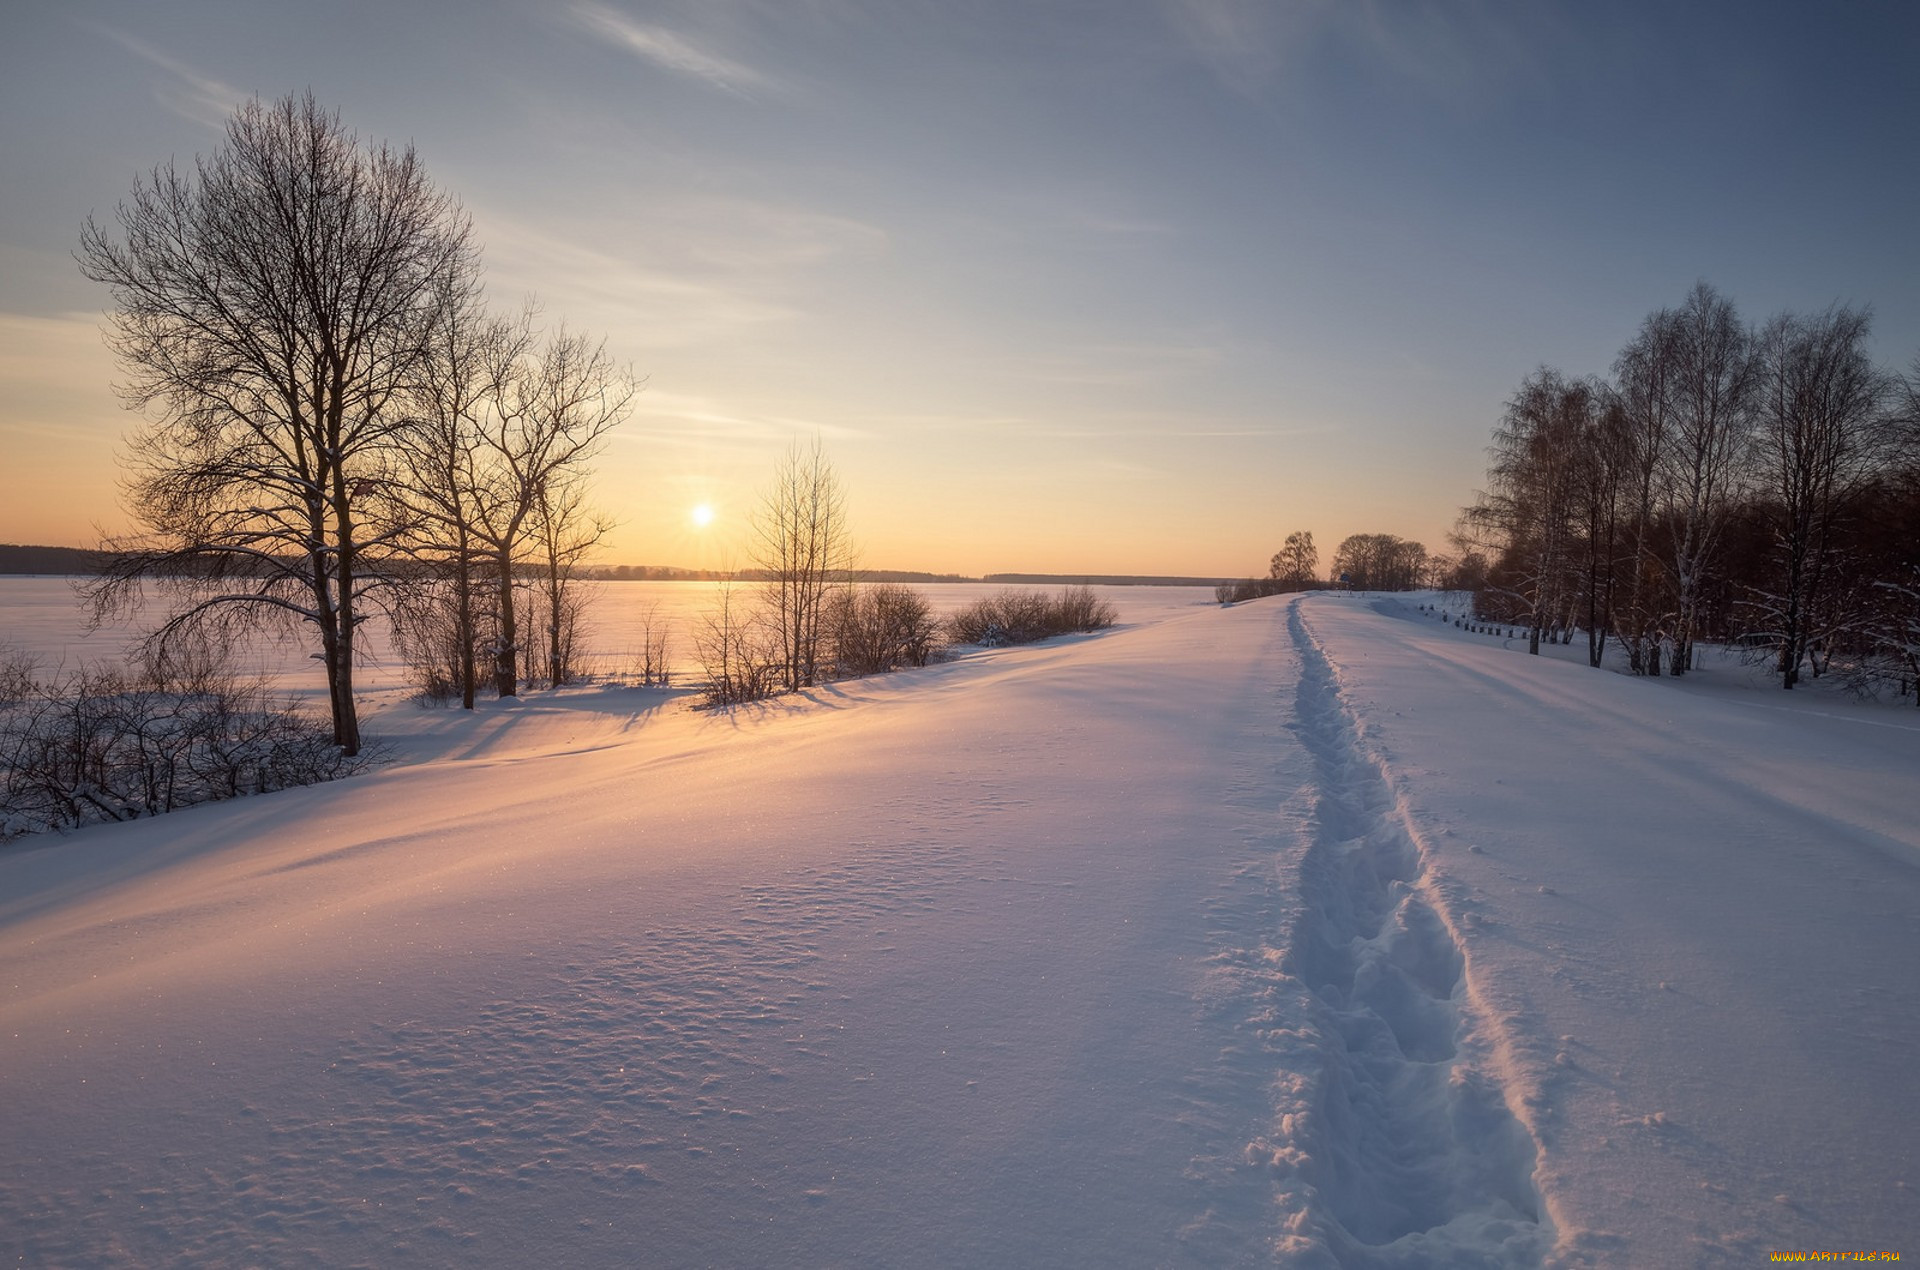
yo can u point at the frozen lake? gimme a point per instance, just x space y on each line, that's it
43 616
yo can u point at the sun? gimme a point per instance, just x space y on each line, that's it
701 515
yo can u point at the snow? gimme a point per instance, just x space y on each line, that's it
1307 932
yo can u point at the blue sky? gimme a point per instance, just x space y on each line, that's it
1073 287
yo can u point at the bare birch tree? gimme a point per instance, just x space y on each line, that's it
1530 508
1644 377
1822 438
1712 418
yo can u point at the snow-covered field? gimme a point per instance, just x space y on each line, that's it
1309 932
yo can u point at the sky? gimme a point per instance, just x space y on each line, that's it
1128 287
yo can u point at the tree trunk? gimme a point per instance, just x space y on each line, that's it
463 621
506 670
348 725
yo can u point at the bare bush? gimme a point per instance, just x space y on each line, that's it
1255 588
875 629
17 670
1077 608
97 745
737 654
1022 617
431 630
651 665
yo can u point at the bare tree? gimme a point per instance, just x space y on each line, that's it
1530 503
271 306
1712 419
1297 563
1822 439
733 649
1644 376
1603 469
552 410
802 546
451 400
1380 562
565 529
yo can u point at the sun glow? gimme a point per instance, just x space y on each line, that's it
701 515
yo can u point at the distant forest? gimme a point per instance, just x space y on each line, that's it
61 561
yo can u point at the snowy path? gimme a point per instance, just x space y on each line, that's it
1306 935
1407 1138
1693 910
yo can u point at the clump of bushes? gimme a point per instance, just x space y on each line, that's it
868 630
94 745
1245 589
1021 617
1235 591
736 651
880 628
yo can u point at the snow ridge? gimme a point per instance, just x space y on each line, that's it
1406 1150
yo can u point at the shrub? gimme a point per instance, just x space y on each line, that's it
879 628
651 667
1079 609
96 745
17 669
1021 617
737 653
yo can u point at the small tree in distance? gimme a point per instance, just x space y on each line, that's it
1297 563
1380 562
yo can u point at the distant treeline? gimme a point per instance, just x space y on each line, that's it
68 561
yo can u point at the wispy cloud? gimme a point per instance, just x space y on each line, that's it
1459 51
692 270
1246 43
753 236
669 50
647 305
1141 426
1125 365
191 94
687 419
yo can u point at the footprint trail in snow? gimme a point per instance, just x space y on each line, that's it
1404 1152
